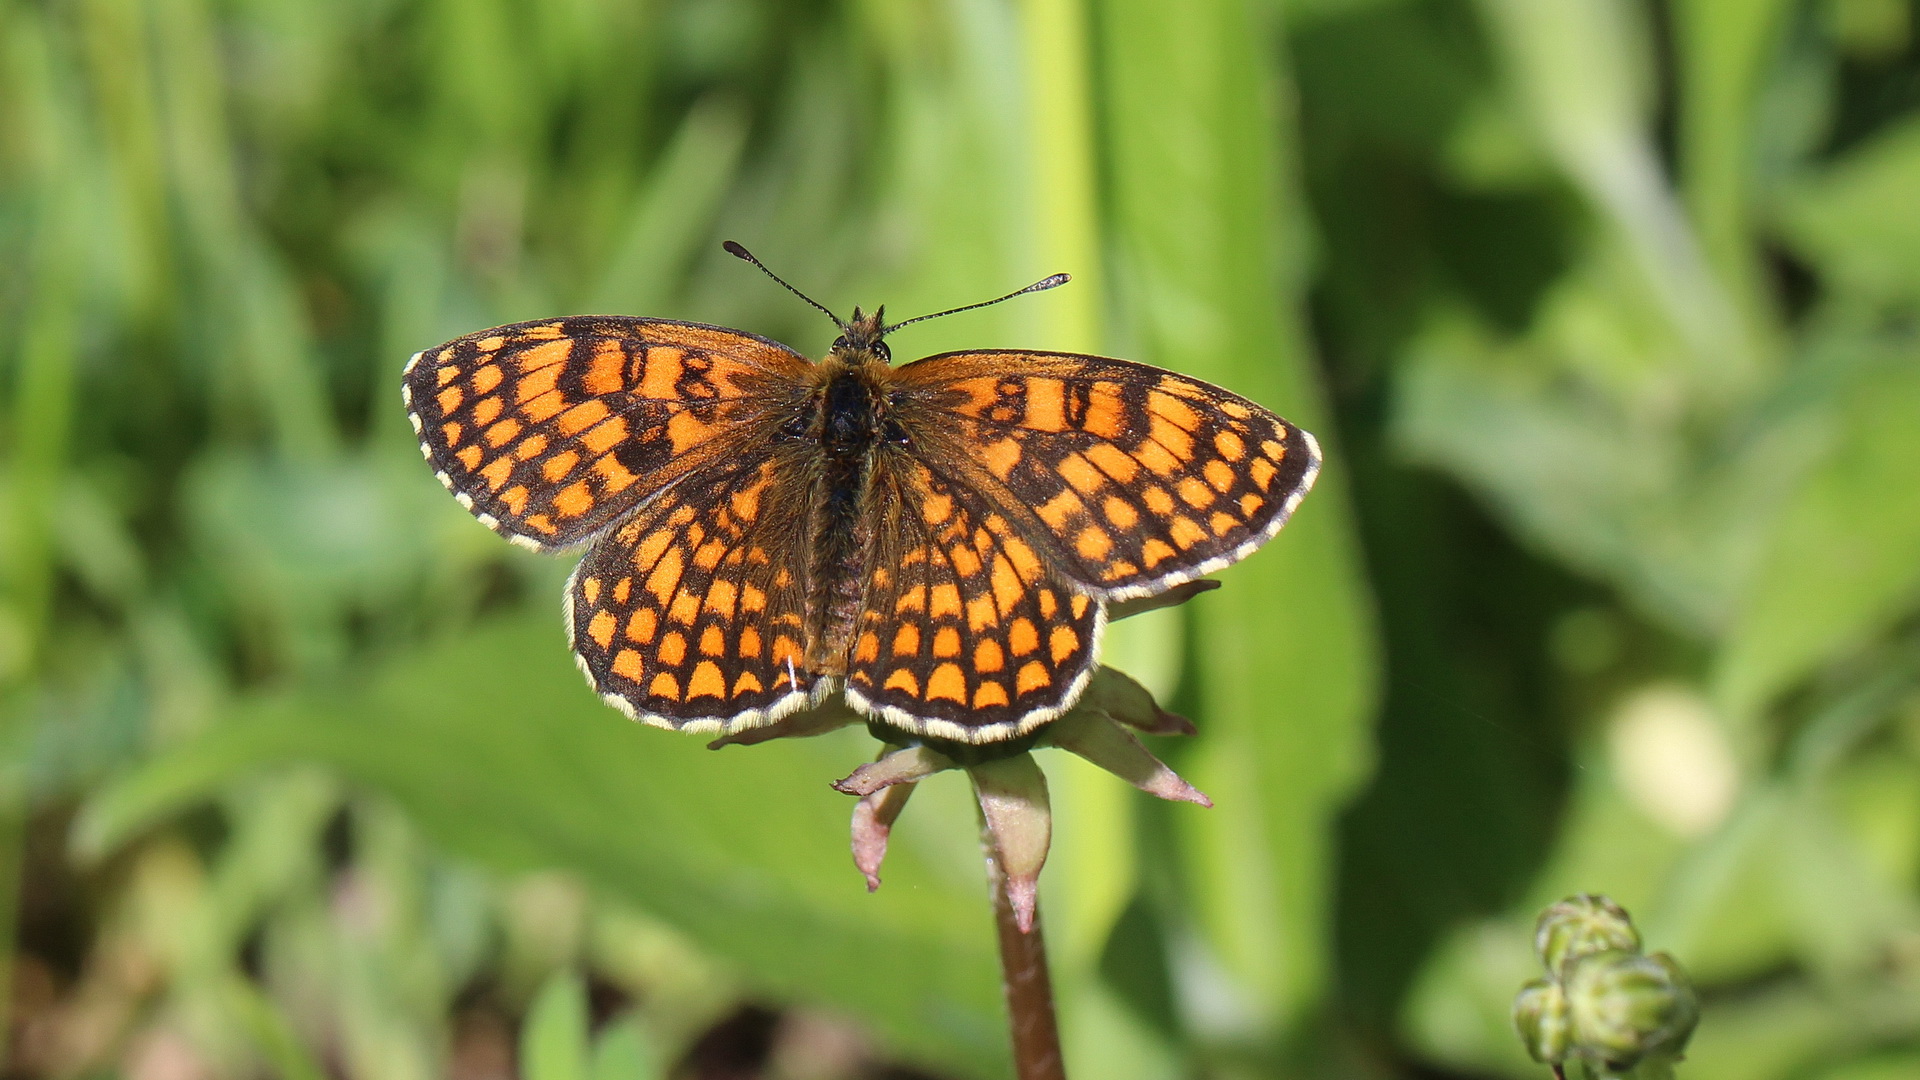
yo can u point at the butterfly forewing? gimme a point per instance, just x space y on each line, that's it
550 431
964 634
689 615
1130 479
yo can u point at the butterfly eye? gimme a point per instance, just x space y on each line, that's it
885 354
839 343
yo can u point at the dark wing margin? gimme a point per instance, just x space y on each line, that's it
548 432
1132 479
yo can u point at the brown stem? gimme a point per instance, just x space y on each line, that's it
1023 966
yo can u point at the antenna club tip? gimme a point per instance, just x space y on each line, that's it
1056 280
734 249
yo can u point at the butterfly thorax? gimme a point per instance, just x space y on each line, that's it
849 424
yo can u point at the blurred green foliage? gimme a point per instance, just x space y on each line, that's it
1606 311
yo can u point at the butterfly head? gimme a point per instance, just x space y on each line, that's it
860 337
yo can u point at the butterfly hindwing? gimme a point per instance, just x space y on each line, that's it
964 634
550 431
688 615
1130 478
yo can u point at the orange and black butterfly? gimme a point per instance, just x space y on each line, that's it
939 540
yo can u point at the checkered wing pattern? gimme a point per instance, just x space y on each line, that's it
689 614
964 632
550 431
1129 479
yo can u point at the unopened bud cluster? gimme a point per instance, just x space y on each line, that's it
1603 1004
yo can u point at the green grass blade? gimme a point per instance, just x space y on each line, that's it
1284 652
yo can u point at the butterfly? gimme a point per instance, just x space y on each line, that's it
938 541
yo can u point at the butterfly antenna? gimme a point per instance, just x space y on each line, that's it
1050 282
739 252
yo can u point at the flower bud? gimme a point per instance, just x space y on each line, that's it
1580 925
1623 1006
1540 1016
1019 824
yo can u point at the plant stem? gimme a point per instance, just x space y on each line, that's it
1029 990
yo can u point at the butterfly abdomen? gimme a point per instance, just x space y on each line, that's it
848 425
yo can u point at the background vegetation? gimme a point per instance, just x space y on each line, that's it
1606 311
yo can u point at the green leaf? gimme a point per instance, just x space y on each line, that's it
1771 1035
1854 220
553 1038
673 216
1896 1065
501 754
1307 12
625 1053
270 1029
1843 564
1724 47
1581 70
1571 435
1094 868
